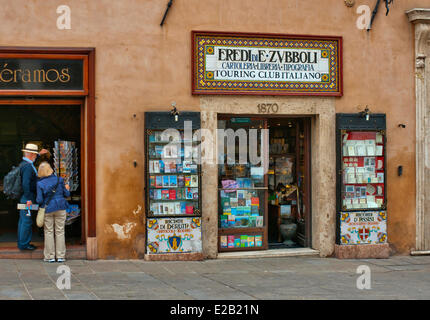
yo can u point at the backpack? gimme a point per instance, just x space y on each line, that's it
12 187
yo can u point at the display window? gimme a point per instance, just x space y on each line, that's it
361 180
173 184
363 170
174 175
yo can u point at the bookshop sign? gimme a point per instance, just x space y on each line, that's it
266 64
175 235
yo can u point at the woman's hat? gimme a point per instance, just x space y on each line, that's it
32 148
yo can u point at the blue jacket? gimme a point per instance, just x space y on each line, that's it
45 186
28 182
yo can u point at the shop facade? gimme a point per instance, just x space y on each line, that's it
144 78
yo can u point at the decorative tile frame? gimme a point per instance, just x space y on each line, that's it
363 227
203 82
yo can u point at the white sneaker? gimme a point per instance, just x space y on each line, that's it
61 260
49 260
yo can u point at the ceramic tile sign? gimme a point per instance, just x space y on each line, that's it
366 227
266 64
174 235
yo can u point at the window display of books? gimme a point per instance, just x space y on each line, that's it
363 170
173 176
66 163
241 241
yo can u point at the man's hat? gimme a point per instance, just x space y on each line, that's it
31 148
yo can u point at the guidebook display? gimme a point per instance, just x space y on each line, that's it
241 208
362 216
363 170
66 163
241 241
173 176
66 166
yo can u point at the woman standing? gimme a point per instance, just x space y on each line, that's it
51 186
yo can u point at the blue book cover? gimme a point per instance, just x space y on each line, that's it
173 181
181 181
161 162
183 207
189 194
158 181
223 220
240 182
193 168
247 183
158 151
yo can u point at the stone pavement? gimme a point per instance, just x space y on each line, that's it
400 277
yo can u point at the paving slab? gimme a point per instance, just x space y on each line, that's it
47 294
17 292
81 296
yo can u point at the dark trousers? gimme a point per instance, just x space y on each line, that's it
25 231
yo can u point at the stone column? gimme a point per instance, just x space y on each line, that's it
421 19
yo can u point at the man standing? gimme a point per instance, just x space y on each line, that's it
28 183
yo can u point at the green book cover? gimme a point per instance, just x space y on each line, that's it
243 241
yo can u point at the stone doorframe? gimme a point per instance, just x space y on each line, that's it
421 19
323 162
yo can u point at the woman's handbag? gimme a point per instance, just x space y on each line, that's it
40 219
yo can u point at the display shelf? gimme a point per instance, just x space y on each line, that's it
363 170
361 181
67 165
173 173
168 186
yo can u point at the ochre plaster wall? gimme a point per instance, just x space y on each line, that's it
141 66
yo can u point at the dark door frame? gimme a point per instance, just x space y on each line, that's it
308 180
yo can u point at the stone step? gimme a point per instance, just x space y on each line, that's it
294 252
72 252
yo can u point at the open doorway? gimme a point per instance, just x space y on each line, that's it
288 183
57 128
